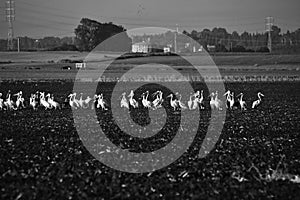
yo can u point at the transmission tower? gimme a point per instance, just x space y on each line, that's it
10 17
269 25
175 39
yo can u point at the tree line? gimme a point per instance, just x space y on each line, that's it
90 33
46 43
224 41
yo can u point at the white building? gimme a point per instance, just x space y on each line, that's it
141 47
167 49
80 65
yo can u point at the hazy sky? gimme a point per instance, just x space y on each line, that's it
39 18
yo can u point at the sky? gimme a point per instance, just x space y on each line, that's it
40 18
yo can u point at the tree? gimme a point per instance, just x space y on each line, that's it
90 33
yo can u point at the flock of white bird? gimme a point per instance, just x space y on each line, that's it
195 101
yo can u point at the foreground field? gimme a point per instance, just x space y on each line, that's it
256 157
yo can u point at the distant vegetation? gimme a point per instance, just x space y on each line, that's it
90 33
223 41
46 43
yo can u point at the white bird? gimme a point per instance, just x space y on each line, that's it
101 103
200 101
94 101
53 104
32 102
229 99
173 102
242 102
80 101
146 103
218 102
75 100
43 102
212 102
74 104
179 102
132 101
1 102
257 102
48 100
124 102
8 102
20 100
157 103
190 102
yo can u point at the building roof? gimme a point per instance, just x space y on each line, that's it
142 43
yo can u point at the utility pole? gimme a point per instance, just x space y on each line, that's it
18 45
175 39
10 17
269 25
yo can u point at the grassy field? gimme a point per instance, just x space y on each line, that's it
219 59
48 65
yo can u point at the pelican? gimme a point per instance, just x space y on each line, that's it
190 102
74 104
173 102
48 100
101 103
1 102
196 100
146 103
53 104
124 102
32 102
157 103
94 101
75 100
200 101
179 102
218 102
242 102
229 99
20 100
80 101
212 102
132 101
43 102
8 102
257 102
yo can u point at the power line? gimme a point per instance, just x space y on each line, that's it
46 20
166 24
41 25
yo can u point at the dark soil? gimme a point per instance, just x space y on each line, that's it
42 156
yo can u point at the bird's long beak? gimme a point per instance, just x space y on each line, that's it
154 94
